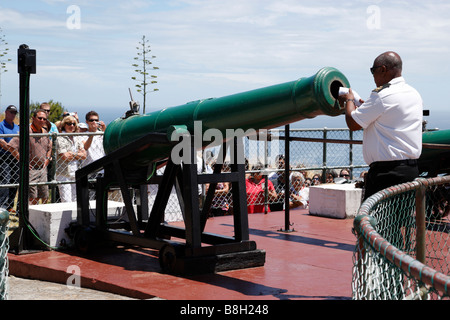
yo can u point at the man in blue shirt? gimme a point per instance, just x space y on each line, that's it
9 166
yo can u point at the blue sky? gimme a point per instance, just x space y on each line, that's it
213 48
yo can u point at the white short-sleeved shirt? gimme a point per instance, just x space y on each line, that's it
95 151
65 144
392 122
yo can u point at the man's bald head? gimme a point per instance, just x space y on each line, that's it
386 67
392 61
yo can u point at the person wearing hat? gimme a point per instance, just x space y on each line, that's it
82 127
9 166
73 114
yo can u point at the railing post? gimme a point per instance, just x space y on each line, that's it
266 178
324 155
362 255
421 230
420 223
350 153
287 182
52 172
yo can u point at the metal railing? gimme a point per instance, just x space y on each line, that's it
402 249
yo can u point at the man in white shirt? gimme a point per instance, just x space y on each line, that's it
94 144
392 122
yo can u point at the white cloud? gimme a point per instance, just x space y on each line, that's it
32 22
307 9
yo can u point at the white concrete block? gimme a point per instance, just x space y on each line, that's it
335 200
51 219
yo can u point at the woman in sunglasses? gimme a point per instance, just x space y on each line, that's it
70 151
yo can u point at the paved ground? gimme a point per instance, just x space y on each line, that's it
311 262
26 289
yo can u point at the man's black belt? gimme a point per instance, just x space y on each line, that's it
393 163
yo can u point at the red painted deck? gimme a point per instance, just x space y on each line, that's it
312 262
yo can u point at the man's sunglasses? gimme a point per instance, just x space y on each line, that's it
372 70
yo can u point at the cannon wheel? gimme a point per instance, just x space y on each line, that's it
83 239
168 256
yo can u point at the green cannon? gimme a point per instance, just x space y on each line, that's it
134 145
263 108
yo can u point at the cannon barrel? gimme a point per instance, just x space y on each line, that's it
262 108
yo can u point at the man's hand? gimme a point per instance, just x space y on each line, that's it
344 97
347 102
102 125
95 126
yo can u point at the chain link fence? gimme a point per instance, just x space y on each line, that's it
402 250
315 153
